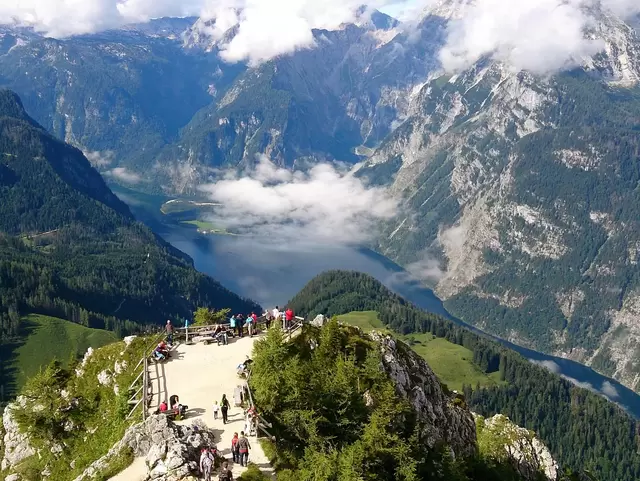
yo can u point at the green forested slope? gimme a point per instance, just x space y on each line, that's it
70 248
582 429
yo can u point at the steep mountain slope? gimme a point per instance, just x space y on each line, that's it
525 189
70 248
120 95
573 422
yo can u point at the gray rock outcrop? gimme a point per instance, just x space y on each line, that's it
16 444
442 416
506 441
171 451
318 321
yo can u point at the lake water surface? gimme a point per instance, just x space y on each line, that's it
271 273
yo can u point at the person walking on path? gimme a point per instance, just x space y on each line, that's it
234 448
216 408
276 314
169 329
243 449
225 473
224 406
206 464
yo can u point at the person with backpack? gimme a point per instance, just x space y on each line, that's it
234 448
206 463
224 407
243 448
225 473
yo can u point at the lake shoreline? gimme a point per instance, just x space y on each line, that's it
272 273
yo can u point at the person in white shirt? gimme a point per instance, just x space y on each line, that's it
276 314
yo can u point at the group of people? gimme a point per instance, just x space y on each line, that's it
240 447
287 317
222 407
207 463
238 322
174 406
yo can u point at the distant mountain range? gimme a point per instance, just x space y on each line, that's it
522 189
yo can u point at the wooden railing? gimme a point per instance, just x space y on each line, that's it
143 391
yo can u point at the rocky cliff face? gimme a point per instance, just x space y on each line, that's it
515 185
446 419
442 417
503 440
171 452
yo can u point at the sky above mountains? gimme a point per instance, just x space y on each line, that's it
539 35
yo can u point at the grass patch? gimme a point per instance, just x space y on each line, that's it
253 473
98 421
201 224
118 464
365 320
452 364
52 338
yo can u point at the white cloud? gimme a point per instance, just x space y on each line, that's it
550 365
266 28
99 159
609 390
542 36
124 175
323 205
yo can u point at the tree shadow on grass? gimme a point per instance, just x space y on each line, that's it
9 369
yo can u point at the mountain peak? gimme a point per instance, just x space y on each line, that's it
11 106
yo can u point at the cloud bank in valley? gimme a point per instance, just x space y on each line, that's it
542 36
324 205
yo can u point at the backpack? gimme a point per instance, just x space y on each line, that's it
225 476
208 460
243 445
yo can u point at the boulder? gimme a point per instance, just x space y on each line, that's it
318 321
171 451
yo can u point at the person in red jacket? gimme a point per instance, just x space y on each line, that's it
288 316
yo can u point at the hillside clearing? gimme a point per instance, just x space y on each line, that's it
452 364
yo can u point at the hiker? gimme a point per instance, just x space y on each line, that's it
232 324
267 318
276 314
234 448
159 354
243 449
220 334
216 408
249 325
163 407
224 406
178 409
206 463
225 473
288 316
169 330
239 324
163 348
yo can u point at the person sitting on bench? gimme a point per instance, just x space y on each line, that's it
178 409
